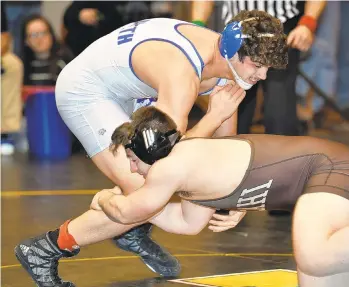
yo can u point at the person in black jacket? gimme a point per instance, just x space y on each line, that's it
87 21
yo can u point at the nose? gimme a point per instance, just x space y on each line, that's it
262 73
133 167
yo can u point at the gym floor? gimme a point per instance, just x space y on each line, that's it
39 196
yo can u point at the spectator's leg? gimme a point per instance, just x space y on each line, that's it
343 59
11 86
321 67
11 102
246 111
280 101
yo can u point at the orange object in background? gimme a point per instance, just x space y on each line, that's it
27 91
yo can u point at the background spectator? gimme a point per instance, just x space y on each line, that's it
328 63
86 21
11 84
43 56
16 11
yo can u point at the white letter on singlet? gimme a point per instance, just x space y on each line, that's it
253 200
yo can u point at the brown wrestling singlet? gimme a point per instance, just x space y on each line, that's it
282 168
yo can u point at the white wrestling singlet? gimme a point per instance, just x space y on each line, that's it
99 90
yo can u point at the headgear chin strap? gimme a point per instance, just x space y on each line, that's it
230 43
150 145
238 79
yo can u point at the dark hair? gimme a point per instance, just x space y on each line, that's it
27 55
268 51
143 118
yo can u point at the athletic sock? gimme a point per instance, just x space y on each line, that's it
65 240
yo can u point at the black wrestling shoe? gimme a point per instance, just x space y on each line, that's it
39 256
157 259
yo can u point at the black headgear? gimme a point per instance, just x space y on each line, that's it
150 145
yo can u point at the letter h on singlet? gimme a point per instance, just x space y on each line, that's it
126 35
249 198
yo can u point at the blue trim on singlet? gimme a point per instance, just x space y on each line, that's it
196 51
163 40
211 88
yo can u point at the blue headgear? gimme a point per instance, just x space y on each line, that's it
150 146
230 43
231 40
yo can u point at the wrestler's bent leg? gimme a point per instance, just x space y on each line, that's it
320 238
93 125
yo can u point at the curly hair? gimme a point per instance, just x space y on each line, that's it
143 118
268 51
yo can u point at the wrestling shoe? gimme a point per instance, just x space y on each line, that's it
159 260
39 256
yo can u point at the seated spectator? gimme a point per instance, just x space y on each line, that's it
11 83
43 57
16 11
86 21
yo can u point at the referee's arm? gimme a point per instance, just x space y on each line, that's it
201 12
314 8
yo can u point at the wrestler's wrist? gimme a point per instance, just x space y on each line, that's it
309 22
214 118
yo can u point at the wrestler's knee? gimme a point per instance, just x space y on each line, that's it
309 233
311 261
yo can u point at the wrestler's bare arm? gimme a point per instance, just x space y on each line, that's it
168 71
177 98
184 217
165 68
228 127
222 108
161 183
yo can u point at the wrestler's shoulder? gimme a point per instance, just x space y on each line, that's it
171 167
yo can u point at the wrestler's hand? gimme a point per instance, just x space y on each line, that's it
102 196
300 38
224 101
225 222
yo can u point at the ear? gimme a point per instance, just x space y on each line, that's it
235 58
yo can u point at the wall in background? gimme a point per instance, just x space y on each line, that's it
54 11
